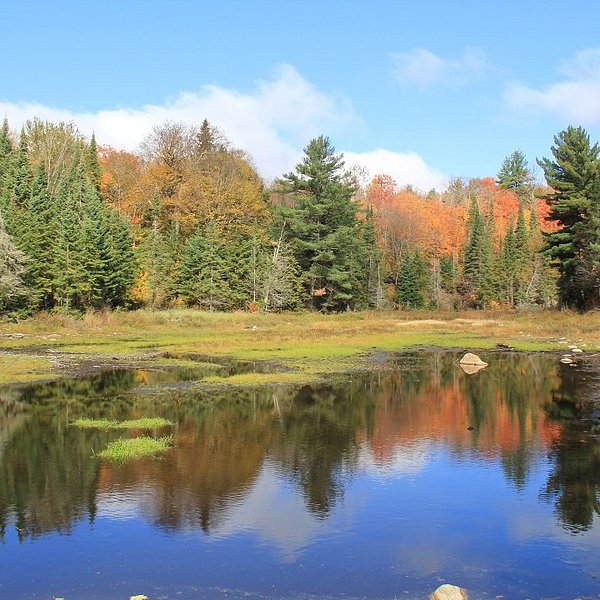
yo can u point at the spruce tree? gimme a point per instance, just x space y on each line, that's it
409 291
39 241
92 164
573 176
203 273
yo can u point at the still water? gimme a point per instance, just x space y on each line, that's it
376 486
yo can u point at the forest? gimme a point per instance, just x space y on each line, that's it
187 221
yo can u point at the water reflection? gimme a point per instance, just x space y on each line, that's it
280 462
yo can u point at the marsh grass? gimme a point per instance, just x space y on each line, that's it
23 369
142 423
307 342
125 450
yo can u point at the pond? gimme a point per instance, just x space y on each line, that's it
379 485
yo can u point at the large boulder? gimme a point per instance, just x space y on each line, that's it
472 359
449 592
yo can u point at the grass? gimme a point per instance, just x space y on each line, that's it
23 368
125 450
308 343
143 423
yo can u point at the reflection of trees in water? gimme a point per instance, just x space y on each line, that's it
316 443
48 476
49 479
574 482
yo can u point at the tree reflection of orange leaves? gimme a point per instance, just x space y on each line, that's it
445 414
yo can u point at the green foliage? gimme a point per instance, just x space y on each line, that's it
515 175
324 228
412 281
574 203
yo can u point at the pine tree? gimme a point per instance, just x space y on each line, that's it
324 227
573 176
515 175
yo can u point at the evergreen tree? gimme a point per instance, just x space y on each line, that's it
203 274
515 175
92 164
39 241
573 176
324 227
6 156
120 266
409 291
475 259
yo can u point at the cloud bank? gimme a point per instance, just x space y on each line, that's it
406 168
272 122
576 98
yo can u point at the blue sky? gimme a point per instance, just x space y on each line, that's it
424 90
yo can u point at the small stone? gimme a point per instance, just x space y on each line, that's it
576 350
566 361
139 597
449 592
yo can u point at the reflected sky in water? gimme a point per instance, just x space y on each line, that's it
382 485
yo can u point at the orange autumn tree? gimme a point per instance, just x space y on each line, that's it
435 226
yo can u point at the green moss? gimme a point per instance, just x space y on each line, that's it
123 451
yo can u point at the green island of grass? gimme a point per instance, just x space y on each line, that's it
124 450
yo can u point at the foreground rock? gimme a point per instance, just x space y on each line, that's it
449 592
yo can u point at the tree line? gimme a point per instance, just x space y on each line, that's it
187 221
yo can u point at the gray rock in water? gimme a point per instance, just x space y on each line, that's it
449 592
567 361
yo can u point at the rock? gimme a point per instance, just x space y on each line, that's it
567 361
471 363
576 351
139 597
16 336
449 592
472 369
472 359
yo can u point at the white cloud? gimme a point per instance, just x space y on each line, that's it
406 168
272 122
424 68
576 98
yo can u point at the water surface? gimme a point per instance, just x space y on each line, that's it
381 485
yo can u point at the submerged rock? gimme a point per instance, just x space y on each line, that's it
449 592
